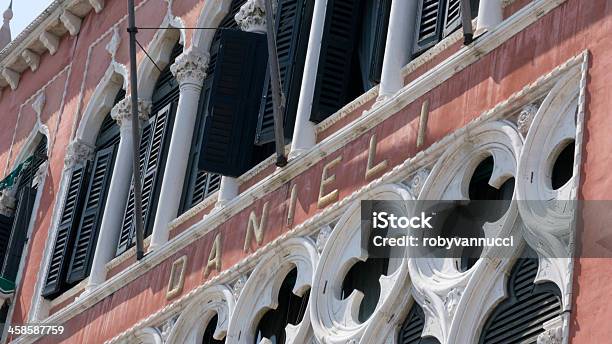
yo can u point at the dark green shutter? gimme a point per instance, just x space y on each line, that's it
429 21
23 213
65 236
87 234
520 318
153 149
412 328
231 116
382 10
6 225
333 84
293 19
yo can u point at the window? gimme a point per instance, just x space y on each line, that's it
412 328
77 233
520 318
290 310
563 168
13 230
210 331
437 19
153 150
364 276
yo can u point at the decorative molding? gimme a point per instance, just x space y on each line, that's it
113 44
525 118
322 237
31 58
122 112
39 104
78 152
166 327
50 41
11 77
190 67
252 16
239 285
97 5
71 22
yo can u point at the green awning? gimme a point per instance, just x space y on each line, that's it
6 287
9 180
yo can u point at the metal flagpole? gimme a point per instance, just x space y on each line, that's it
132 30
278 99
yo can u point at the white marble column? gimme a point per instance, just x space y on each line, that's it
190 71
490 14
118 190
400 36
304 136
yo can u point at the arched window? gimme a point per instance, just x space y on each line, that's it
153 150
13 229
290 310
210 331
412 328
77 233
364 276
520 318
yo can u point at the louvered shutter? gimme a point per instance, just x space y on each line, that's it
429 22
231 116
6 224
382 12
65 234
87 234
23 213
412 328
152 151
336 57
293 19
520 318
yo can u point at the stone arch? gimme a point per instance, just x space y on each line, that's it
191 324
211 15
159 49
101 102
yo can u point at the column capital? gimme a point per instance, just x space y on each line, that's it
190 67
77 152
252 16
122 112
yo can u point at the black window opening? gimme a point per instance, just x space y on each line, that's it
436 20
563 168
411 330
290 310
153 151
209 332
364 276
13 229
83 207
521 316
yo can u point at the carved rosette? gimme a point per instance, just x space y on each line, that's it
190 67
77 152
252 16
526 117
122 112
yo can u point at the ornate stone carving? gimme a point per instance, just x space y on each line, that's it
166 327
252 16
417 181
114 42
452 300
526 117
8 201
322 237
122 112
78 151
551 336
190 67
239 285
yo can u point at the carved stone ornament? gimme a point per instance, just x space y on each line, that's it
8 201
252 16
190 67
114 42
122 112
452 300
526 117
166 327
322 237
239 285
551 336
77 152
39 103
417 181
